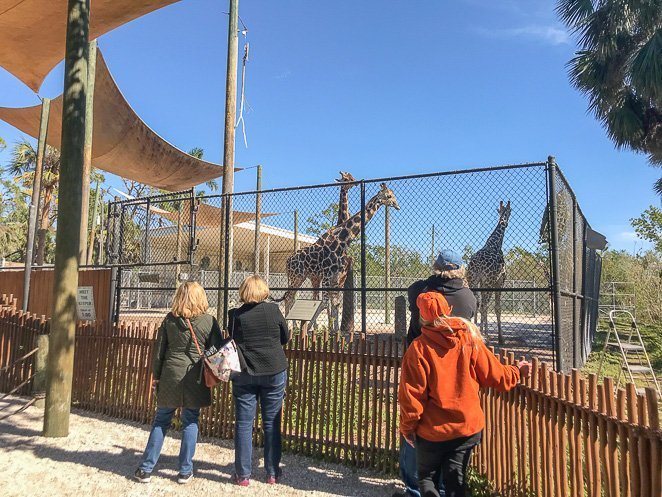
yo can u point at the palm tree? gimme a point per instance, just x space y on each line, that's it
619 67
198 153
21 167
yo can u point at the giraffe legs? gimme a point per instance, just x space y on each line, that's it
497 310
484 325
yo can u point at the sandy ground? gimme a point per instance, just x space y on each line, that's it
100 455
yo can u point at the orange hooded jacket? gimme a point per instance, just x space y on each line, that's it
442 371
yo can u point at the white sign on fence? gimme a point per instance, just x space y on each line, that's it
85 303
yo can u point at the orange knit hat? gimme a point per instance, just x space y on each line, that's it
432 305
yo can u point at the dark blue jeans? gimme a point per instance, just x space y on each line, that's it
160 426
409 470
247 389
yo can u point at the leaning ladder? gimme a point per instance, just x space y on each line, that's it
635 362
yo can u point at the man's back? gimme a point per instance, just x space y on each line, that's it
460 298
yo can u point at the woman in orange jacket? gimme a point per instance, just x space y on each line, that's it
440 411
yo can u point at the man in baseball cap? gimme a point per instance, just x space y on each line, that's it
448 278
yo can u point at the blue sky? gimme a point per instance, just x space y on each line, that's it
377 88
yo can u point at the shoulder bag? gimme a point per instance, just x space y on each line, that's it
217 364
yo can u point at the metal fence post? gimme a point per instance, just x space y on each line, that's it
364 317
554 256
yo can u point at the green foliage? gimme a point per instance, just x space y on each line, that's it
319 224
523 265
3 144
619 68
649 226
644 272
13 220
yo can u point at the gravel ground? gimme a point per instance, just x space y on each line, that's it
100 455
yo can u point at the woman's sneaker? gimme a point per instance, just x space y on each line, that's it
183 479
272 480
242 482
142 476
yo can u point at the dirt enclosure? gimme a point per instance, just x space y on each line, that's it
100 455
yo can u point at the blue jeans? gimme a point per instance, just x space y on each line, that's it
247 389
409 470
160 426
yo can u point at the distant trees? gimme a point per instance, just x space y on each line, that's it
649 227
619 68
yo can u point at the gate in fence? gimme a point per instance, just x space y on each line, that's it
532 257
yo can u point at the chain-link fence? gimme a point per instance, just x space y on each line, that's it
358 246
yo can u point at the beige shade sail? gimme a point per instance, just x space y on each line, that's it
209 215
33 32
122 143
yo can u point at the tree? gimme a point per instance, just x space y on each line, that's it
13 220
619 68
21 167
212 184
649 226
319 224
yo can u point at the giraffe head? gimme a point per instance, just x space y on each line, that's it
346 178
504 213
387 197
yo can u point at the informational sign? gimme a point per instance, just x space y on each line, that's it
303 310
85 303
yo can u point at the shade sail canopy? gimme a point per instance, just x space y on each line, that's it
33 32
208 215
122 143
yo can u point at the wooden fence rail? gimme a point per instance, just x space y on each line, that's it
553 435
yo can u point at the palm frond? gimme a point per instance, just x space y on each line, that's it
573 12
658 187
646 68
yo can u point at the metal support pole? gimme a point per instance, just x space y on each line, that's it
95 213
258 221
34 202
67 241
554 258
387 263
296 230
432 247
364 296
87 160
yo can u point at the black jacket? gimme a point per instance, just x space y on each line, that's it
260 331
459 297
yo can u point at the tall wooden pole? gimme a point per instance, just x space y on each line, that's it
87 162
296 230
59 371
34 202
228 145
258 220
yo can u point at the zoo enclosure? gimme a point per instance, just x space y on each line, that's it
553 435
548 301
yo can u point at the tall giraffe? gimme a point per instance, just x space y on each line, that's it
347 182
326 260
487 269
347 325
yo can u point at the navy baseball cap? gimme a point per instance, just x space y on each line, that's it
448 260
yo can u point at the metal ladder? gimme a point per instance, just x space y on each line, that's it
635 363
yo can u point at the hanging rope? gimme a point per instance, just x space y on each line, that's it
243 83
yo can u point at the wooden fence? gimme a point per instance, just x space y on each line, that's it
553 435
41 288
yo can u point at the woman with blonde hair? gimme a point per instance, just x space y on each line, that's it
260 331
177 373
440 412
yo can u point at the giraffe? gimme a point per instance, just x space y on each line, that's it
326 260
487 269
347 182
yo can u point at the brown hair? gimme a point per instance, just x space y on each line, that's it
450 274
190 300
253 290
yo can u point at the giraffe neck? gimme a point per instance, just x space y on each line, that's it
343 205
350 229
495 241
